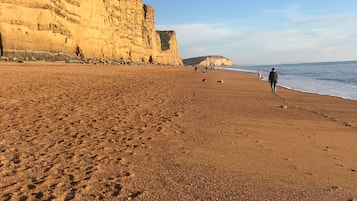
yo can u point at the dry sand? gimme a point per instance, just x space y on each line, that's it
85 132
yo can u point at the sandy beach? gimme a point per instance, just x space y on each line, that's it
100 132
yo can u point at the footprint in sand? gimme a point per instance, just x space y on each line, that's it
242 133
263 146
348 124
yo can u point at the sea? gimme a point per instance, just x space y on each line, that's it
328 78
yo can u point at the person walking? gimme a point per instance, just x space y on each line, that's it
273 79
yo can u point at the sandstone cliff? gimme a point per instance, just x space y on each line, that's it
121 30
213 60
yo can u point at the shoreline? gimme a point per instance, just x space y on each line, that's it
90 132
287 87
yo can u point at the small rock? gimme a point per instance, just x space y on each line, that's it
4 58
336 188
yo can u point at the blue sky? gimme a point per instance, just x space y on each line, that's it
262 31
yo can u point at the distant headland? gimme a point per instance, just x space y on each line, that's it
210 60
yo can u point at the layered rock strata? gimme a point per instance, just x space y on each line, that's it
101 30
212 60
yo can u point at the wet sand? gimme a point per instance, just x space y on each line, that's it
87 132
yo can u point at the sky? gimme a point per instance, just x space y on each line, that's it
262 31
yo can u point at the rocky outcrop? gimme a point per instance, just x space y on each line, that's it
213 60
120 30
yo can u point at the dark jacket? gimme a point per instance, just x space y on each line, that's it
273 76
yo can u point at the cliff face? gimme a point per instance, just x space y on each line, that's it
214 60
87 29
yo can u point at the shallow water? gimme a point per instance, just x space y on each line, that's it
328 78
